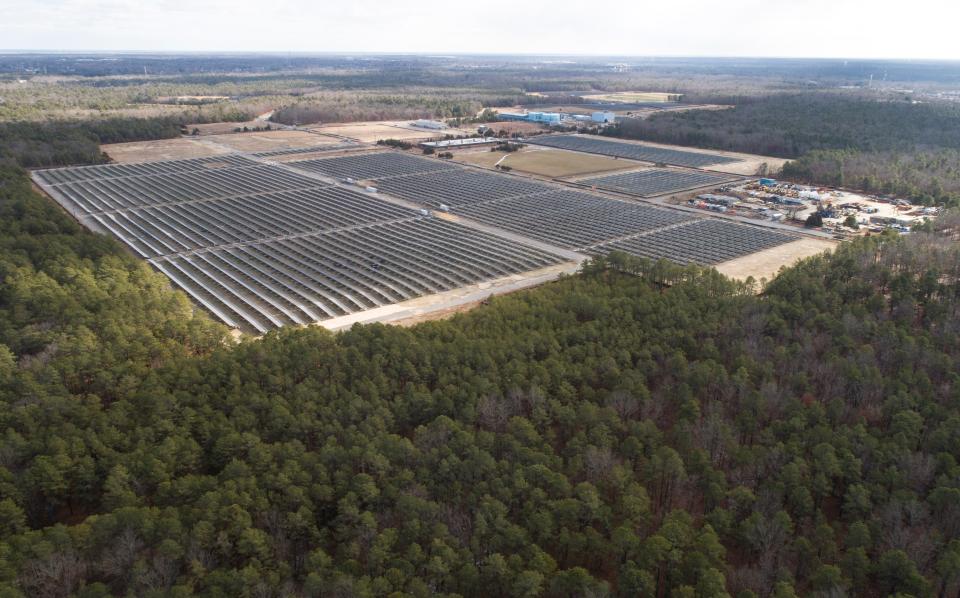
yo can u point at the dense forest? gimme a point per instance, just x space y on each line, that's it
57 143
636 430
330 107
930 176
877 144
790 125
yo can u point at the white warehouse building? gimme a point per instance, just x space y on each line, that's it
603 117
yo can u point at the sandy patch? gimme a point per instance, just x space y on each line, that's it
260 141
371 132
766 263
633 97
161 149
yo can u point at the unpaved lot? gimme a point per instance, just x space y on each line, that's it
261 141
766 264
215 145
371 132
161 149
632 96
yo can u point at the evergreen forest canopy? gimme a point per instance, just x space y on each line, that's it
878 144
635 430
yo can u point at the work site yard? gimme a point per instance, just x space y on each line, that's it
545 162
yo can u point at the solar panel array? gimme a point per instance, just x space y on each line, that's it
109 171
262 245
172 228
314 277
555 215
656 181
704 241
632 151
332 147
571 219
115 192
458 187
372 165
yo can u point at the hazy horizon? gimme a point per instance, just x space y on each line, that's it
836 29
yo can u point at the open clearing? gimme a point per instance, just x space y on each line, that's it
215 145
161 149
260 141
546 162
766 263
371 132
632 96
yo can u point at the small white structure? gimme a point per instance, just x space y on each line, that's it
428 124
603 117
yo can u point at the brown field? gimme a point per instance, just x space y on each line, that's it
260 141
215 145
765 264
162 149
632 96
371 132
550 163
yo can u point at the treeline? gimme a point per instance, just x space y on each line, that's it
58 143
929 177
791 125
878 146
349 108
637 430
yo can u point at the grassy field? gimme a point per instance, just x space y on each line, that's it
213 145
161 149
632 96
547 162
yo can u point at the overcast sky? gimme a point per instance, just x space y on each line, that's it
804 28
